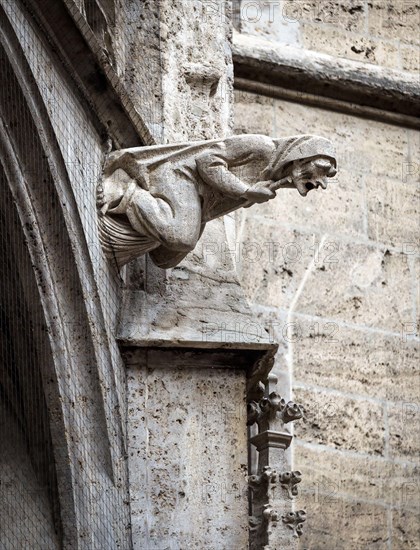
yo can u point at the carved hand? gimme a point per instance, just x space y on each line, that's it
265 190
260 192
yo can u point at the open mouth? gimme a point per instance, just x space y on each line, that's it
304 188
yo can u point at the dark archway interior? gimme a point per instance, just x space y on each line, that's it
29 513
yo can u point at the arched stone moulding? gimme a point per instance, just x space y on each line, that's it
82 369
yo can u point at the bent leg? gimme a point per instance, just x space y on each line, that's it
166 258
174 219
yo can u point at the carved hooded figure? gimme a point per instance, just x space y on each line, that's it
158 199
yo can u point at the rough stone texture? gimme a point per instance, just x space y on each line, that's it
199 304
345 525
378 365
194 44
334 276
339 421
361 276
406 532
352 476
377 32
393 211
404 430
188 457
84 383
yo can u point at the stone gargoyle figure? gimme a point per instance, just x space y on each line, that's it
158 199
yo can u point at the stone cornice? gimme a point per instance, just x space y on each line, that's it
335 83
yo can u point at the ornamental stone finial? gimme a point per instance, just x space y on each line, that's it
158 199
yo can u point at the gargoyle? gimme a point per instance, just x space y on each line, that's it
158 199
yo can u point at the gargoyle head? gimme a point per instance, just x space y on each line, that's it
306 161
308 174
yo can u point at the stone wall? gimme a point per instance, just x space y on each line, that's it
333 276
380 31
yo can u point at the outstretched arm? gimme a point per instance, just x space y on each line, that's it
214 171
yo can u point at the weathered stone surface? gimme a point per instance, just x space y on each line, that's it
187 457
333 41
344 524
370 377
333 475
394 20
278 258
273 21
354 139
346 14
339 209
405 530
252 117
411 168
371 287
404 429
339 421
356 361
414 325
410 58
393 211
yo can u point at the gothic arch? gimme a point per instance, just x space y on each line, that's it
77 376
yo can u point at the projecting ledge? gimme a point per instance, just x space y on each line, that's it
255 363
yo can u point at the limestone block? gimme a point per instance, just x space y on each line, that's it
197 73
339 421
274 21
414 326
393 211
360 284
346 14
335 475
187 449
272 261
405 530
344 524
371 364
411 169
340 43
390 141
410 58
394 20
404 429
253 117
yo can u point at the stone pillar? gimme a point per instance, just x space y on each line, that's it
193 349
187 438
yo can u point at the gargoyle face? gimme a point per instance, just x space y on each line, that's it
308 174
